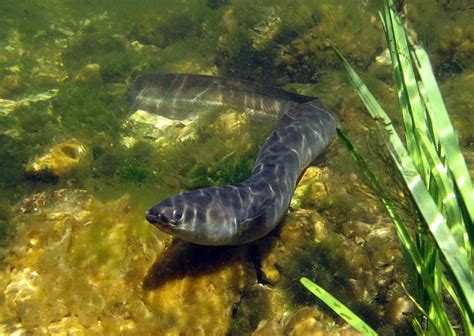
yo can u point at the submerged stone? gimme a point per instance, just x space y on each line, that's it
89 72
62 160
193 289
77 263
11 84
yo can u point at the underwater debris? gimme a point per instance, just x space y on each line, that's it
268 328
162 130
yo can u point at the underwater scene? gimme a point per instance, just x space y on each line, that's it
108 108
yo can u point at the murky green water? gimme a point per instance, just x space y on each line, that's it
78 169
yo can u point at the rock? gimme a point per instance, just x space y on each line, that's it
311 189
266 328
229 26
308 53
163 131
298 226
8 106
398 310
89 72
266 30
11 84
229 123
76 263
62 160
201 300
305 321
458 43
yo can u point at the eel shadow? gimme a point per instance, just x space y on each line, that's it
182 259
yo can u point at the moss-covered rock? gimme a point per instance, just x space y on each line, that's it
69 158
445 29
11 84
75 260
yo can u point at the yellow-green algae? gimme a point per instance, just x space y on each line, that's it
80 263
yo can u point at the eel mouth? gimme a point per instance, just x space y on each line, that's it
159 219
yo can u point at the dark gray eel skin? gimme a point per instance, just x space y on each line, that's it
241 213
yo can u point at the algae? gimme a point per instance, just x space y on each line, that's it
131 173
6 226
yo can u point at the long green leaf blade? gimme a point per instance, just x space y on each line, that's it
431 214
444 132
344 312
446 190
398 50
406 242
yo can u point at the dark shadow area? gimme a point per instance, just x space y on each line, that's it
182 259
254 303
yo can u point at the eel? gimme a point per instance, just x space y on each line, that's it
244 212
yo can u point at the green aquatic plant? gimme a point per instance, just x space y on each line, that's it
6 226
313 261
131 173
338 307
438 253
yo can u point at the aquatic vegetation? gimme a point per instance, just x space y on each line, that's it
460 103
452 44
108 162
292 43
100 112
132 173
307 55
309 261
215 161
433 169
11 84
13 156
79 261
6 226
357 271
339 308
246 318
229 170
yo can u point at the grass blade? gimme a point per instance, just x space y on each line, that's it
410 102
336 305
446 191
457 264
407 244
444 133
436 176
466 321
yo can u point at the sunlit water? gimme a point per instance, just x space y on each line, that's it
78 168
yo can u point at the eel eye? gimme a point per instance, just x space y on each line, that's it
177 215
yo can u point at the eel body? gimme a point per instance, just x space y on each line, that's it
241 213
